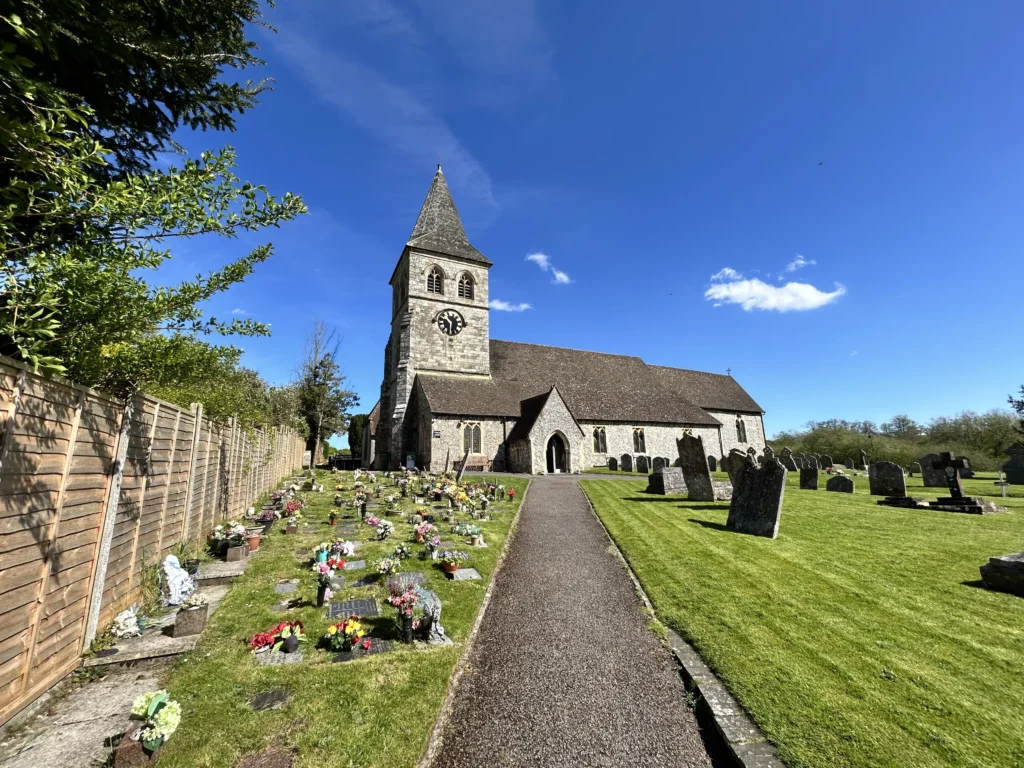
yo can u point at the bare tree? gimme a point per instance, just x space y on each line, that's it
323 399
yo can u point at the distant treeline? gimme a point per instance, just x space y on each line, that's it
981 437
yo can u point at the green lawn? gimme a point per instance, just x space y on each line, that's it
376 711
859 637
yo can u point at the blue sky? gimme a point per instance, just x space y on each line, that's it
824 198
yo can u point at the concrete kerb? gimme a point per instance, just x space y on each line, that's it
434 742
739 734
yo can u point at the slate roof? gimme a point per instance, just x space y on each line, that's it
439 228
595 386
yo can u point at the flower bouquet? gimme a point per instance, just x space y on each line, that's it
451 560
161 716
401 552
404 598
384 529
343 548
387 565
434 543
373 521
424 531
285 637
345 635
324 572
465 529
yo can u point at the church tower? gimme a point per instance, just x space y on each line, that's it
439 314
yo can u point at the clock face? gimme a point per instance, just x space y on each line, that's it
450 322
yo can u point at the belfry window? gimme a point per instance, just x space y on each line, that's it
465 286
600 440
435 281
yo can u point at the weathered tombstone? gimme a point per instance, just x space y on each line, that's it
734 461
787 460
613 464
642 464
712 463
1014 468
693 466
863 459
659 463
933 478
769 452
626 463
808 479
757 499
826 461
811 462
886 479
850 464
666 480
752 452
462 469
1005 573
840 484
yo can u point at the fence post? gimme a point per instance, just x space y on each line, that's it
197 413
99 568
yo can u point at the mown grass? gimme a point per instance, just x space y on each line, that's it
861 636
374 712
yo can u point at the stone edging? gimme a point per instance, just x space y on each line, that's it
738 733
434 742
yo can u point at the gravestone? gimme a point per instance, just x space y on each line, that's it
626 463
659 463
850 464
712 463
430 603
811 461
769 452
826 461
465 574
408 578
1014 468
864 459
757 499
966 474
269 700
886 479
957 501
808 479
787 460
462 469
364 608
933 478
693 466
613 464
734 461
642 465
665 481
840 484
1005 573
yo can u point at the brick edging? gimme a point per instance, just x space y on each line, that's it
434 742
738 733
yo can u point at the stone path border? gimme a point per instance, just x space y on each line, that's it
739 734
434 742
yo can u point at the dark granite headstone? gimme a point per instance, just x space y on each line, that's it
769 452
1014 468
826 461
1005 573
693 467
643 465
626 463
757 499
268 700
712 463
933 478
850 464
811 460
613 464
408 578
840 484
886 479
808 479
658 463
665 481
787 460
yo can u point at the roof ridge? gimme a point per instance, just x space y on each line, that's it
571 349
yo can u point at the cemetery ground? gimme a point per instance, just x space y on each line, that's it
375 711
861 636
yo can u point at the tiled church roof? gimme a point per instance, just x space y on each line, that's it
595 386
439 228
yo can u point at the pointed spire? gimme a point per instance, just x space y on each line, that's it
439 228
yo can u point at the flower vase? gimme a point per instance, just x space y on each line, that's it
449 568
190 621
321 595
406 622
321 557
290 644
254 542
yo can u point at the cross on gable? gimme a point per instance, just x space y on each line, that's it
950 465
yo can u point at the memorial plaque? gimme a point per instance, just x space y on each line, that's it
343 610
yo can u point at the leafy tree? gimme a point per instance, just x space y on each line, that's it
1018 407
356 425
901 426
323 400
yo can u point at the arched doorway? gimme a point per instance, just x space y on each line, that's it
557 454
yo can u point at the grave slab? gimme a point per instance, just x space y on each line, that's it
464 574
1005 573
276 658
269 700
346 608
408 578
286 587
218 573
353 565
376 646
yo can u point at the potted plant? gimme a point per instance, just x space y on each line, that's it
345 635
404 599
160 715
451 560
191 616
236 537
253 538
333 519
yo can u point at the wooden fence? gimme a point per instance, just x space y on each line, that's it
90 495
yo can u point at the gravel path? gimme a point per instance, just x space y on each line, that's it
565 671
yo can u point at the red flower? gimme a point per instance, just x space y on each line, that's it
366 645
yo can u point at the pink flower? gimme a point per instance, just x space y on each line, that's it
366 645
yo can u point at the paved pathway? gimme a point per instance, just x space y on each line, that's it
565 671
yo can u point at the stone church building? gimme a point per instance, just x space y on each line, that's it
450 388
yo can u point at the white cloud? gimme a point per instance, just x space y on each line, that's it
238 311
505 306
756 294
541 260
726 273
799 262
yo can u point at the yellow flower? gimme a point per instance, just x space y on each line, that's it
332 630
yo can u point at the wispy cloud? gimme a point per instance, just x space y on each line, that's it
239 311
387 112
854 353
505 306
799 263
729 287
541 260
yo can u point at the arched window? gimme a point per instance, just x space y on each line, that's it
600 440
435 281
465 286
741 431
471 439
639 444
